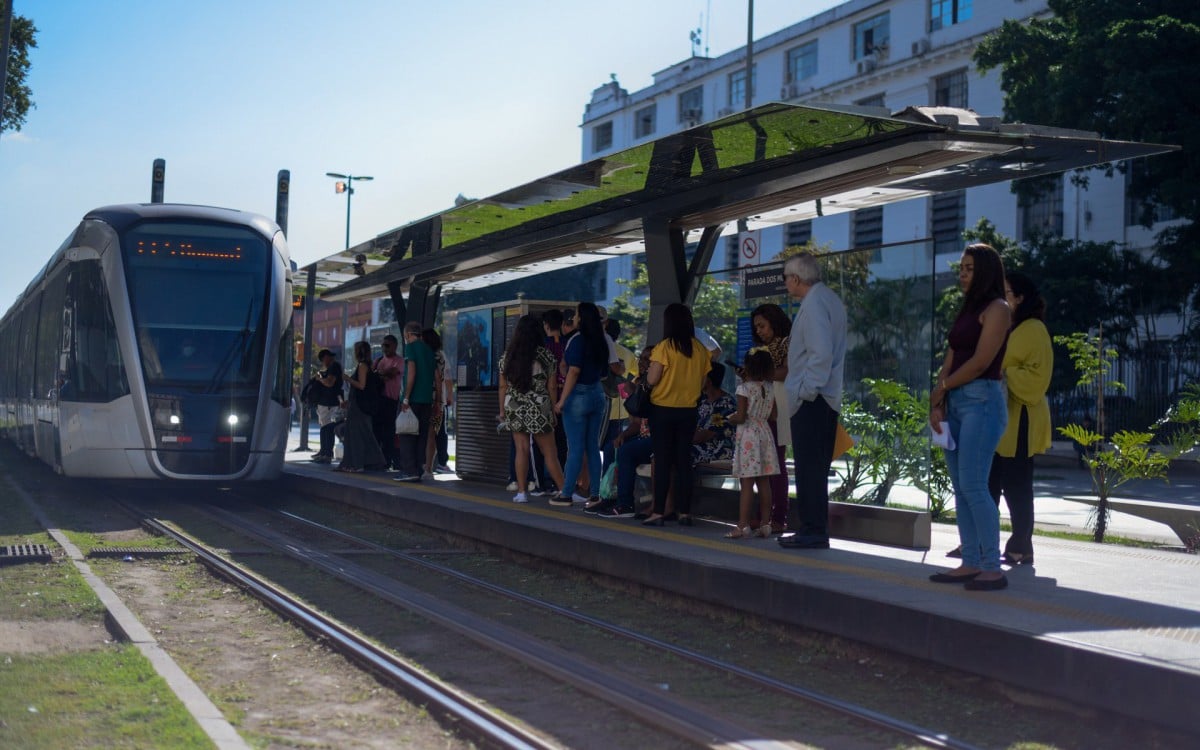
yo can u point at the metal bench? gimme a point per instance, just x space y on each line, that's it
1184 520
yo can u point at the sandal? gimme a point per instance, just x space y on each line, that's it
764 531
738 533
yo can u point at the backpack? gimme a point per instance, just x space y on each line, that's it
310 392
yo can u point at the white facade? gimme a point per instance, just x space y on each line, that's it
887 53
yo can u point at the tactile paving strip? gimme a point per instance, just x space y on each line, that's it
136 551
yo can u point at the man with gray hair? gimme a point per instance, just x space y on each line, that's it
816 360
416 393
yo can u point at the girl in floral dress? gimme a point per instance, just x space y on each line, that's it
755 458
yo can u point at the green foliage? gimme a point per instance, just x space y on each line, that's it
892 443
18 97
1129 454
1073 69
715 310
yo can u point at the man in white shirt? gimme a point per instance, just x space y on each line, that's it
816 362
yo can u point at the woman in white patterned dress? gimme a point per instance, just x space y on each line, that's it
755 458
528 392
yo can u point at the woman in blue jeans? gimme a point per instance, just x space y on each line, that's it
583 404
970 398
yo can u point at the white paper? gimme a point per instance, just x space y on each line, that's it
943 439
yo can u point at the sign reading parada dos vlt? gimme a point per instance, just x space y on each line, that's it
763 281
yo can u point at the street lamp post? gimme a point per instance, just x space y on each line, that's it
346 185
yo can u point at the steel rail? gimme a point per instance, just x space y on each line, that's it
472 719
912 731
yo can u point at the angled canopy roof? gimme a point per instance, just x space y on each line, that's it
774 164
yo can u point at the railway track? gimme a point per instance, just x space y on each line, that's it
646 703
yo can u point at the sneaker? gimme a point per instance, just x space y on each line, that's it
321 459
599 506
520 497
615 511
537 491
511 486
560 500
427 477
406 478
577 498
532 486
442 469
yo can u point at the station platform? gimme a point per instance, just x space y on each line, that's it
1112 627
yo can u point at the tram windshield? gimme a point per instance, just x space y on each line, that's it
198 292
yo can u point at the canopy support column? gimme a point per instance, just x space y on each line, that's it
671 277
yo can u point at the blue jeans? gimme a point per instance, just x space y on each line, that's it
632 454
977 414
586 407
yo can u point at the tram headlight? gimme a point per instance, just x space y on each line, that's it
232 420
166 413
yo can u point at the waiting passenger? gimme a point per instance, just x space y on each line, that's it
438 407
528 392
633 448
390 367
582 404
361 451
329 403
754 456
713 439
417 395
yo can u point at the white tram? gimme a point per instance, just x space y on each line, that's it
156 343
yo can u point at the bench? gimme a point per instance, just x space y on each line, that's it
1184 520
716 494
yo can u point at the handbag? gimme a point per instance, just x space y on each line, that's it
638 402
842 442
406 423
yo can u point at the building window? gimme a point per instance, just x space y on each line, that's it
1043 213
732 252
871 35
1136 208
950 90
947 220
872 101
802 62
644 121
943 13
799 232
691 105
737 85
867 226
602 137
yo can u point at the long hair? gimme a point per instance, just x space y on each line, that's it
758 365
362 352
595 345
780 323
1032 305
987 281
679 327
521 352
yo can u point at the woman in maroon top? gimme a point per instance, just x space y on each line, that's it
969 399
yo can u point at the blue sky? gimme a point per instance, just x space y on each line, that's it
431 99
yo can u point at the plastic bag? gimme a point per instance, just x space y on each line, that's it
406 423
608 483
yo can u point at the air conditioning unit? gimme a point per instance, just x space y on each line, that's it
920 47
786 92
866 65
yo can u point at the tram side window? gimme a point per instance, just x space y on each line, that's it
47 375
94 363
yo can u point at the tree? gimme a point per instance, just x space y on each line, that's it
715 310
1115 68
18 97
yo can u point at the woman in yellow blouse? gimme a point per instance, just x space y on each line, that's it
678 366
1028 364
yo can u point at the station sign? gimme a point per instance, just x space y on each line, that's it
763 281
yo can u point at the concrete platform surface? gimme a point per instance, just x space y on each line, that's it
1109 626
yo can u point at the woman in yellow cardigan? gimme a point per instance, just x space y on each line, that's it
1028 364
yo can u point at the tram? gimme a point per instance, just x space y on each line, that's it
155 343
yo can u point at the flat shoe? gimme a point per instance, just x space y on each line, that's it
1014 561
992 584
955 553
947 578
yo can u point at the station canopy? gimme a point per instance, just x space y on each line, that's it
773 164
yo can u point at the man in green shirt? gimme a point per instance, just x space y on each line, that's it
416 394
